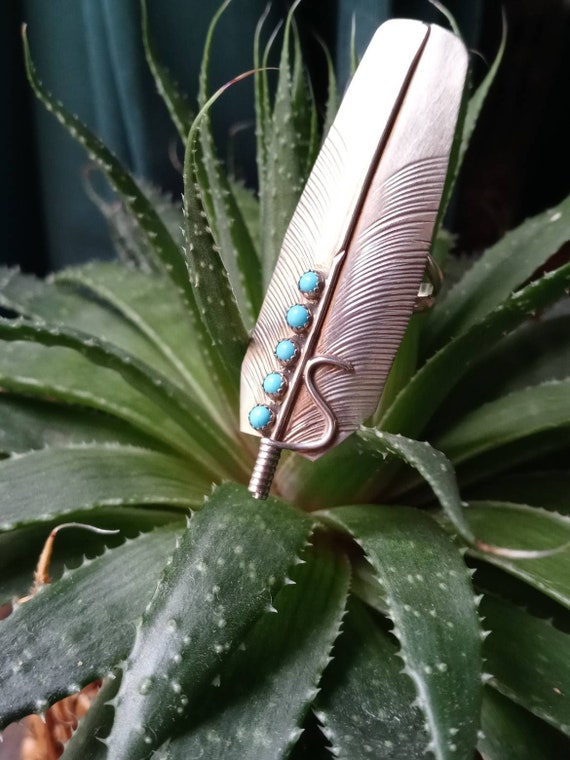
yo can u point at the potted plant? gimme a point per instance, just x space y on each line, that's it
397 598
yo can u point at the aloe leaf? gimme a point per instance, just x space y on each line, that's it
451 177
26 424
229 564
500 270
236 246
151 225
529 661
264 691
333 97
213 290
509 732
261 100
305 121
41 300
52 644
175 101
477 100
52 482
418 401
530 529
165 326
450 18
548 489
490 579
509 418
64 377
354 60
366 705
536 352
249 210
211 448
340 477
550 446
427 591
312 744
95 724
167 252
207 53
131 245
21 548
432 465
284 171
119 321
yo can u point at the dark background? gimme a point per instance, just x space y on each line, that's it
88 52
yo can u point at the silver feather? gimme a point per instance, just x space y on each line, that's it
364 225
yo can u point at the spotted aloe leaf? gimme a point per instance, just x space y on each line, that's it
95 725
208 273
165 327
46 301
157 387
64 379
237 248
27 425
544 535
498 273
367 704
528 661
168 253
509 732
426 591
21 548
283 159
247 708
419 400
201 611
175 100
509 418
133 476
256 706
432 465
160 240
68 646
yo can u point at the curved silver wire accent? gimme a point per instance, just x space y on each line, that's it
330 419
270 449
430 289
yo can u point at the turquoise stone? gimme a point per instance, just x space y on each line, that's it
285 350
260 417
274 383
298 317
309 283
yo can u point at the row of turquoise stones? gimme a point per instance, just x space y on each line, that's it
298 318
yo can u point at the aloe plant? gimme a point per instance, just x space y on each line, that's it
396 599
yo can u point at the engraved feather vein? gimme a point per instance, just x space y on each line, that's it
372 303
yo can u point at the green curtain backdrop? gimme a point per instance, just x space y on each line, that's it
89 53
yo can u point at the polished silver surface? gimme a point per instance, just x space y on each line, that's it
365 223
